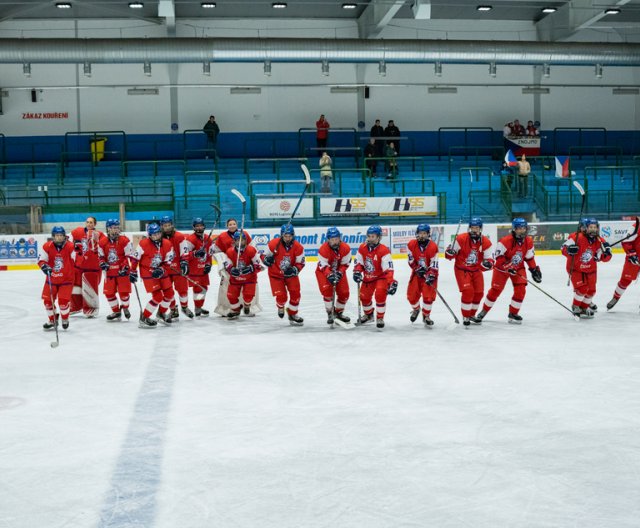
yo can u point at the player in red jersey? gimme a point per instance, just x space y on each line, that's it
87 277
114 251
243 264
284 257
334 257
511 254
180 283
471 253
225 239
630 269
195 263
374 269
156 258
583 251
423 261
56 260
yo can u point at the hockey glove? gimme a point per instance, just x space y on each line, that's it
606 248
157 273
536 274
124 272
104 266
486 265
184 268
572 250
421 271
269 260
46 269
633 259
511 270
357 277
200 253
235 272
133 277
77 247
207 269
334 277
430 279
392 288
291 271
450 252
247 270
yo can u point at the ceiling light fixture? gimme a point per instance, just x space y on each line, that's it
147 69
279 5
63 5
612 11
136 5
349 6
208 5
484 8
548 10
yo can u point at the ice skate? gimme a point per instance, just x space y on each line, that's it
477 319
186 311
201 312
515 318
147 322
114 316
428 322
281 312
295 320
380 323
365 319
165 317
414 315
127 313
612 303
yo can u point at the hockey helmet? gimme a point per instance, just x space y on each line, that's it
375 230
333 232
166 219
476 221
113 222
58 230
153 229
287 229
198 221
423 227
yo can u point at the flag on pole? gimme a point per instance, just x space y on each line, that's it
562 167
510 159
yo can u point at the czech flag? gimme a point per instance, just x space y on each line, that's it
510 159
562 167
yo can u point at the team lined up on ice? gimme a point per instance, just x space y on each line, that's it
168 261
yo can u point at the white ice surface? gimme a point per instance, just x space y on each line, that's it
256 424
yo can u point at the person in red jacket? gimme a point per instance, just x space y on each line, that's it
56 260
156 258
322 134
225 240
630 269
374 269
114 251
180 283
583 251
334 257
84 296
195 263
511 254
471 253
284 257
423 261
243 264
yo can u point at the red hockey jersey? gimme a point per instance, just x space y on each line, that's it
86 243
374 263
150 255
115 253
176 239
589 253
632 245
248 256
225 240
284 256
423 255
471 253
194 243
61 261
330 260
513 253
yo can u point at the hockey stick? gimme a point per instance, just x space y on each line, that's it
243 200
215 222
464 210
194 283
455 318
584 197
56 343
635 232
135 287
359 307
307 178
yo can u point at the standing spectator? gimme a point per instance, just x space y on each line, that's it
325 172
392 163
506 130
392 131
517 129
322 133
376 132
523 176
531 129
507 173
370 154
211 129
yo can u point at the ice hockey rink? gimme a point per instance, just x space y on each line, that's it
257 424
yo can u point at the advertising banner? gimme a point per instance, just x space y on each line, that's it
383 206
401 235
269 208
545 236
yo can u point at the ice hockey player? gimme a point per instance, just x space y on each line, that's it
243 263
334 257
471 253
114 251
284 257
583 252
195 263
225 239
374 269
156 257
86 283
511 253
423 260
180 283
630 269
56 260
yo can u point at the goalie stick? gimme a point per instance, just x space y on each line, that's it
56 343
584 197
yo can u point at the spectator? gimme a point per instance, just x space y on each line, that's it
370 153
322 133
392 163
523 176
211 129
392 131
376 132
325 173
506 131
517 129
507 173
531 129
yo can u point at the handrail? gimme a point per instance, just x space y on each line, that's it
279 184
365 176
273 141
95 134
393 182
304 130
276 163
127 163
477 170
33 166
580 130
616 151
398 159
465 136
488 149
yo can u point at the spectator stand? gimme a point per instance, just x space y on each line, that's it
158 148
480 154
338 137
587 136
349 181
32 173
417 162
77 149
194 147
364 139
278 147
464 136
278 165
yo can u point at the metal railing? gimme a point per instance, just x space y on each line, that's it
276 164
31 170
581 130
465 131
